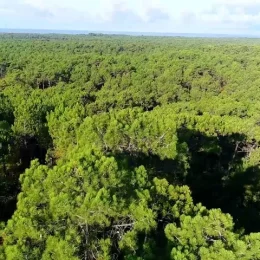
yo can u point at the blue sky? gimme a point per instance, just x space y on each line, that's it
182 16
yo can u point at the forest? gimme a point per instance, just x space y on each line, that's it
136 148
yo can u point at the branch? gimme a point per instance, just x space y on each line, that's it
124 225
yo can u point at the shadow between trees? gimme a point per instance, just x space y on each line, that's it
214 170
218 177
23 153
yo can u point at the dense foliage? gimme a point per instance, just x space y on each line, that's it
117 147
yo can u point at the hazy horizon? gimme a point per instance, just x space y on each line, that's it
130 33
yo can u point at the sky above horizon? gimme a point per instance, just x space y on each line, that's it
186 16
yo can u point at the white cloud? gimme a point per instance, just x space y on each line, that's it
135 15
6 11
242 13
238 2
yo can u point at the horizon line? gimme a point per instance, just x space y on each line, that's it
127 33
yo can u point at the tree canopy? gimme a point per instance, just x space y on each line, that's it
119 147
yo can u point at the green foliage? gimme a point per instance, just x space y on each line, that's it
210 236
129 148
